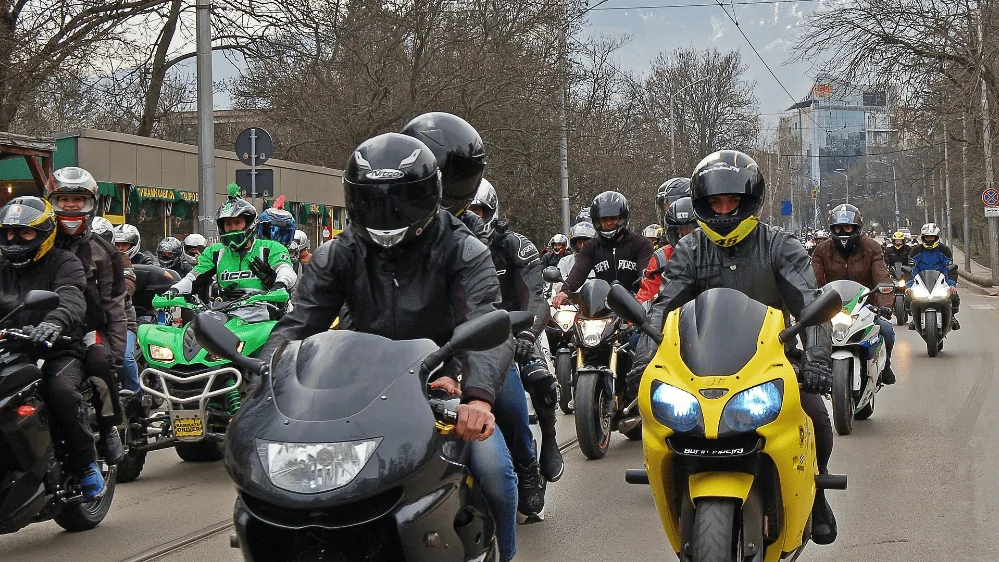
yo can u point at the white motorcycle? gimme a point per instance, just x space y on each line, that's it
858 354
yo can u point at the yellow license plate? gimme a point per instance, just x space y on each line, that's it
185 428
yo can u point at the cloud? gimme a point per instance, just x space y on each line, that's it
779 43
717 28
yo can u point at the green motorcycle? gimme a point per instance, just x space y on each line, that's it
200 392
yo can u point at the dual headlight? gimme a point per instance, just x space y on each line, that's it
919 292
680 411
592 331
311 468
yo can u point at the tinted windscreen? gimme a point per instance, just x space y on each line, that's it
719 332
929 278
593 298
336 374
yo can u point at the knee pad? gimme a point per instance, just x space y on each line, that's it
539 383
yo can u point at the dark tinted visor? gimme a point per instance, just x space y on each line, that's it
460 178
391 206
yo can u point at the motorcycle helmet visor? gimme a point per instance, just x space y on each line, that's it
391 206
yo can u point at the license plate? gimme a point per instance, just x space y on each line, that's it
188 427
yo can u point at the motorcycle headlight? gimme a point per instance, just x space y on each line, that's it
160 353
841 325
900 283
565 319
310 468
941 291
754 406
591 330
919 292
676 409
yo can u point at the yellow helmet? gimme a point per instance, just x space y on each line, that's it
31 213
898 238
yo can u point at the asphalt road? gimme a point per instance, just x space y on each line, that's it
922 481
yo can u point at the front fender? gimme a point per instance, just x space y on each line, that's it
720 485
855 359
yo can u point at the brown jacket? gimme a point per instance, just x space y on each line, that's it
865 265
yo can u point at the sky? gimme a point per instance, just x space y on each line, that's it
770 27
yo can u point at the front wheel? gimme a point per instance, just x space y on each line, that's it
563 373
900 314
932 336
133 437
714 530
592 417
842 396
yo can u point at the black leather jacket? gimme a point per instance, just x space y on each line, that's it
420 290
769 266
519 269
899 255
623 259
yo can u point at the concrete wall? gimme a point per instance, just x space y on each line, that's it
121 158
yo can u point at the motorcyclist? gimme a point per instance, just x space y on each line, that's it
129 242
240 260
558 246
169 254
73 197
667 193
194 245
680 222
276 224
27 235
897 250
654 233
582 216
852 255
933 254
733 250
299 250
402 251
617 254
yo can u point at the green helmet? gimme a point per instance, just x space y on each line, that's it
237 207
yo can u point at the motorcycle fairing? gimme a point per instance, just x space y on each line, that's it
716 320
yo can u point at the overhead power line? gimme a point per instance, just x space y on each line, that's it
702 5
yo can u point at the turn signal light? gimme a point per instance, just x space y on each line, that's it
25 411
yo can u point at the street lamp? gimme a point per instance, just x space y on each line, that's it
842 172
672 124
898 217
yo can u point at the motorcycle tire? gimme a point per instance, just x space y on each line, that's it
714 530
901 316
592 422
86 516
563 373
866 412
931 336
843 405
131 465
200 451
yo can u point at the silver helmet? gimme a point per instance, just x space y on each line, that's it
128 234
487 203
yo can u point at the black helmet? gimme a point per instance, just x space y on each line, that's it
671 190
236 207
32 213
169 252
460 154
845 214
727 172
680 216
609 204
392 189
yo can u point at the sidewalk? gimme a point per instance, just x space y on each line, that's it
976 268
979 275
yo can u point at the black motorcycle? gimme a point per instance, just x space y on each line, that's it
33 483
340 454
899 278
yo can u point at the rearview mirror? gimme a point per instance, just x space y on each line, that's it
41 300
907 269
820 310
886 288
221 342
485 332
521 320
621 301
551 274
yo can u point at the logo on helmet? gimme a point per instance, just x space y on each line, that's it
384 174
682 215
719 166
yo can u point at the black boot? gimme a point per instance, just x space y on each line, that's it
552 465
530 493
954 324
887 375
823 520
112 451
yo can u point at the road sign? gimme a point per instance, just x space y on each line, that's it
264 183
785 208
991 212
990 197
254 141
815 194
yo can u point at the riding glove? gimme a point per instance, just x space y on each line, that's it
263 271
46 332
816 377
523 347
170 293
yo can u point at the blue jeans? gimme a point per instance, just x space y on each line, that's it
510 409
129 367
492 469
888 333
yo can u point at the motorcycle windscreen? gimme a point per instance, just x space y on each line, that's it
851 292
930 278
593 298
336 374
719 332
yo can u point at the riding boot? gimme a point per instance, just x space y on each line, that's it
542 387
530 494
823 520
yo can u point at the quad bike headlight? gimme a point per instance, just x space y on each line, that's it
677 409
311 468
754 407
160 353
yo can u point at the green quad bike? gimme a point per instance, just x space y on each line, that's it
200 392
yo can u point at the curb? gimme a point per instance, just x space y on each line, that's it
980 280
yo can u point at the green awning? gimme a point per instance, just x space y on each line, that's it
108 189
144 193
190 197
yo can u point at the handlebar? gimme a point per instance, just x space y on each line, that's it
441 411
17 334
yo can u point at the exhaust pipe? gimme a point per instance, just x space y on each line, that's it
624 425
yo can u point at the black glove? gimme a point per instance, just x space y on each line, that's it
816 377
46 332
170 293
263 271
885 312
523 347
231 292
278 285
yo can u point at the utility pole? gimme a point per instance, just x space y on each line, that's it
926 199
947 185
563 143
989 172
206 121
966 230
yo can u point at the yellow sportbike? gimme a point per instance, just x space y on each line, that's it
729 451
